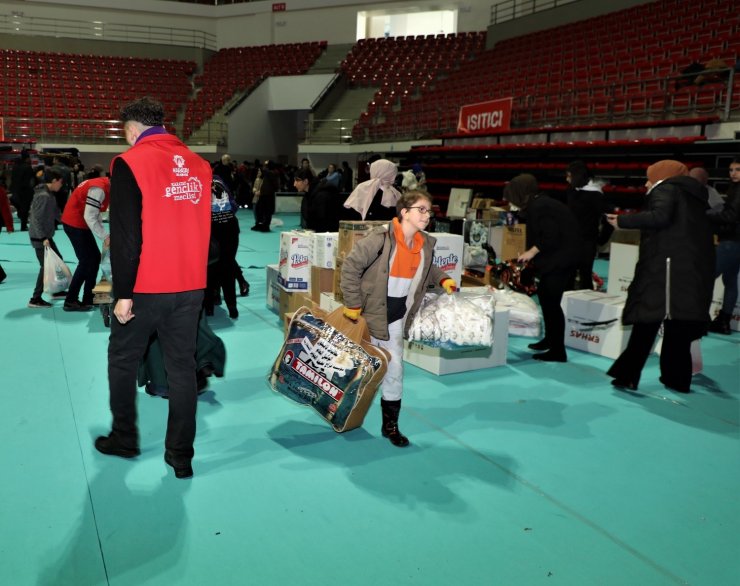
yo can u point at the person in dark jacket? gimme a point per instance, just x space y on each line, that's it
585 199
265 205
22 183
673 277
225 238
321 207
374 199
726 222
554 247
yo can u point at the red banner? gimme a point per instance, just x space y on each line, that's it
2 130
279 7
485 117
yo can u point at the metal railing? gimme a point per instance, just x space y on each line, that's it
511 9
329 130
17 24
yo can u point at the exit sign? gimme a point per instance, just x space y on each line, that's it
278 7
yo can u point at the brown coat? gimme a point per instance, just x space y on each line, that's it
365 279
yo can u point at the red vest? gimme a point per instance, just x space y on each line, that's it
74 209
175 186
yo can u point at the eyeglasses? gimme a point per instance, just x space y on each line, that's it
422 210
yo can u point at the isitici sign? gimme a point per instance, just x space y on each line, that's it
485 117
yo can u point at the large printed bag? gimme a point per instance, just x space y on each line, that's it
57 275
328 363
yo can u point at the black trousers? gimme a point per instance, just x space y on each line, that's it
39 288
88 262
675 354
550 291
585 268
174 316
222 273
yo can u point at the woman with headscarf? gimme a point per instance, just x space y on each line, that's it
375 199
553 246
673 278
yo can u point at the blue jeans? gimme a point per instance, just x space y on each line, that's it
728 264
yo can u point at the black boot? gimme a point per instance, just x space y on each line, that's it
721 324
391 409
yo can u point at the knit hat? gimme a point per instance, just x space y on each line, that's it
665 170
521 189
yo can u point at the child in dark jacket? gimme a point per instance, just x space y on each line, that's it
42 220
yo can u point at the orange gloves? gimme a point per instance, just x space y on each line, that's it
352 314
449 286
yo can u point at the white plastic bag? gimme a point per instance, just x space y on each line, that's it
57 275
454 321
105 264
524 315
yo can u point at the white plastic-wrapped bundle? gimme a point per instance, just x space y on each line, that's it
455 320
524 315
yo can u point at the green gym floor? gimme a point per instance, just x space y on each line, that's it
524 474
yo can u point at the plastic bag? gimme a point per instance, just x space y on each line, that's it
57 275
524 314
454 321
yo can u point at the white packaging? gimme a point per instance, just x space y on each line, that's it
622 262
593 322
294 273
524 313
328 303
324 249
443 361
448 254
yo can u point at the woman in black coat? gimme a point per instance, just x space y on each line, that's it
554 247
673 278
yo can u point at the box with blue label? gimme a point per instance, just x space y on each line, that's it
294 268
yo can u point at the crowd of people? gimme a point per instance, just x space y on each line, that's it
161 292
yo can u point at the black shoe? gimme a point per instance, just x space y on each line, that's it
181 470
620 384
233 313
255 228
76 306
390 411
60 295
551 356
674 387
720 325
110 446
541 345
38 302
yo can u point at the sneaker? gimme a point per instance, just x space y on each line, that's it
38 302
76 306
60 295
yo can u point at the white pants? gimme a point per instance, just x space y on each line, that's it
392 386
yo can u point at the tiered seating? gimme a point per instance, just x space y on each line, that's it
621 66
401 67
77 96
241 69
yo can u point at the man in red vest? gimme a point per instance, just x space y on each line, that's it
160 222
82 223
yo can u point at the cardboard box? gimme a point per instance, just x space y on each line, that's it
459 202
493 214
273 288
328 303
593 322
322 280
337 285
441 361
351 232
323 249
717 298
622 262
622 236
448 254
294 271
